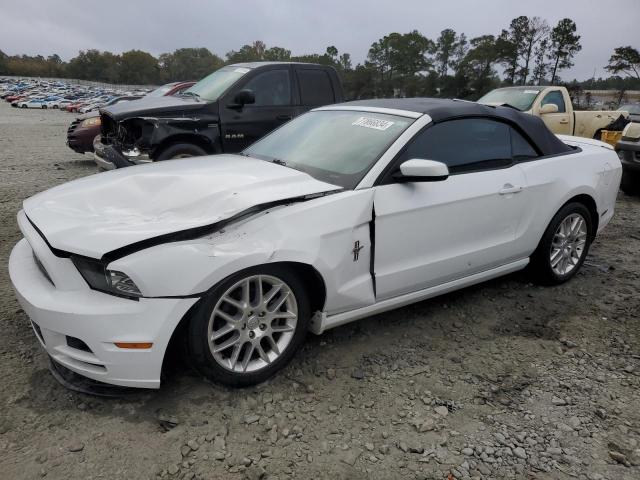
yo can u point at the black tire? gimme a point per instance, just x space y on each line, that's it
199 352
181 150
44 107
540 263
23 106
630 183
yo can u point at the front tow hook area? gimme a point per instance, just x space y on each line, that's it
112 155
88 386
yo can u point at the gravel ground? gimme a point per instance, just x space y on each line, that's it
502 380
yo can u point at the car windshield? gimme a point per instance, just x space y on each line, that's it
334 146
521 98
631 108
211 87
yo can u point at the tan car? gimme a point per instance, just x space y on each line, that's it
554 106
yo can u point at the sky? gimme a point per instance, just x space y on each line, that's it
302 26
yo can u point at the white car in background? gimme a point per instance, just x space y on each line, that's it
32 103
344 212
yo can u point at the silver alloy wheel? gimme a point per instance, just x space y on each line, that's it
252 323
568 244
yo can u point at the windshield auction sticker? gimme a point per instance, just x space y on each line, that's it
374 123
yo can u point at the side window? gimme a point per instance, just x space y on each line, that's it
555 97
464 145
270 88
521 149
315 87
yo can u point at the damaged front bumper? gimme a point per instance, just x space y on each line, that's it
108 157
79 328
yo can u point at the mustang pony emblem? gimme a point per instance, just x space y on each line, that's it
356 250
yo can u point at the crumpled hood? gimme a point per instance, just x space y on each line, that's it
153 105
107 211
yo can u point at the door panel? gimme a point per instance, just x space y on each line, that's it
241 126
561 122
429 233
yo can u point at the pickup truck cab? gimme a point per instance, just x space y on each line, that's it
223 113
553 105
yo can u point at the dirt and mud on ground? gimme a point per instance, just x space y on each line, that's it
502 380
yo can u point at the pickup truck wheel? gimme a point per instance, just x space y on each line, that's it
181 150
249 326
564 245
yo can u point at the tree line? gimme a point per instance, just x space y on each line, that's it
528 51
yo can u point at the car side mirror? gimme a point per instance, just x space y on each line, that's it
419 170
244 97
548 108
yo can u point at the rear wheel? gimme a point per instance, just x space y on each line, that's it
564 245
181 150
44 107
23 106
250 326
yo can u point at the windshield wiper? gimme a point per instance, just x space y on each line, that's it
277 161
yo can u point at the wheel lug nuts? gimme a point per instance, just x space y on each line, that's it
251 334
263 326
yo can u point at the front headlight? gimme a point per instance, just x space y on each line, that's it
91 122
108 281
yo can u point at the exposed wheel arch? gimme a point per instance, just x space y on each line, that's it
197 140
590 203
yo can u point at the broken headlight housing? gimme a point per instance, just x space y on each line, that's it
100 278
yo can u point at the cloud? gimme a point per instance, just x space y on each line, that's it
67 26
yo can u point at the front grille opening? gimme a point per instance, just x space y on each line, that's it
78 344
36 328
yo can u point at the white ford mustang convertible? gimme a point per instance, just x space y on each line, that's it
347 211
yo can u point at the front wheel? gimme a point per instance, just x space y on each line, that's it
564 245
44 107
249 326
181 150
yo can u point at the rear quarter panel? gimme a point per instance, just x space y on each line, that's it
553 181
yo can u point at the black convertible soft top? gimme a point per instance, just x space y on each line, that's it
440 109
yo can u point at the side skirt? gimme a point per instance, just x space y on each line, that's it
330 321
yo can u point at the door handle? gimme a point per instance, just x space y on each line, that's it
508 188
283 117
564 121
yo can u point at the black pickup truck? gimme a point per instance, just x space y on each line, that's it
222 113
